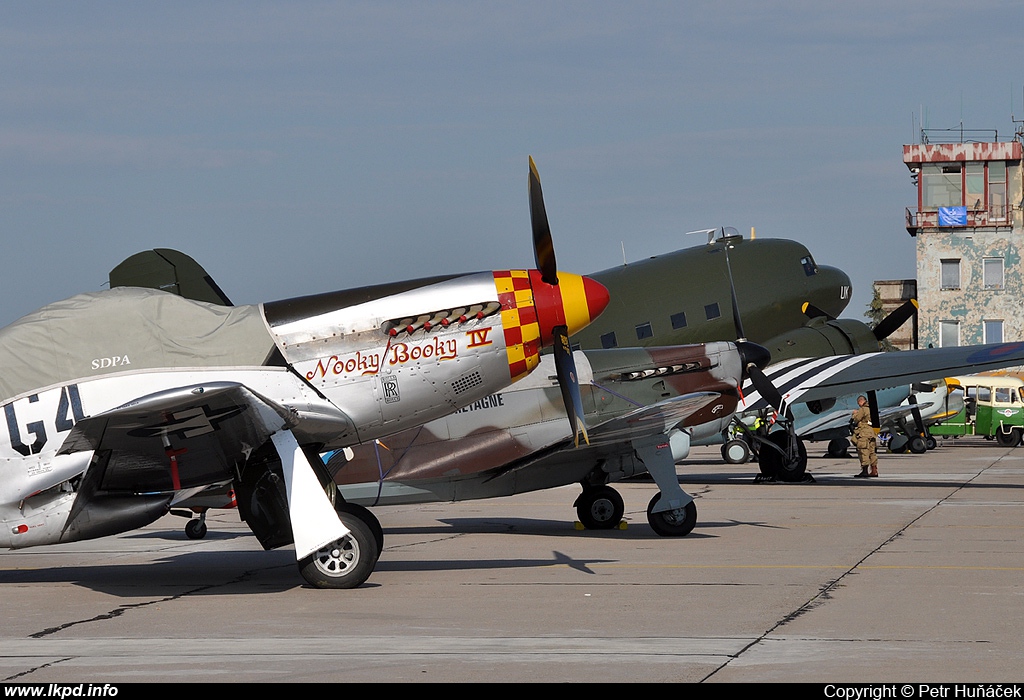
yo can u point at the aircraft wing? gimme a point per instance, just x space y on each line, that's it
889 416
804 380
656 419
617 435
177 439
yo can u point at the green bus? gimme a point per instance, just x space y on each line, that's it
993 407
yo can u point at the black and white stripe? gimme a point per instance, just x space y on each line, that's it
794 377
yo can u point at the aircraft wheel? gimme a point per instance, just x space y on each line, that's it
918 445
931 443
367 516
344 563
195 529
898 444
672 523
839 447
600 508
1008 438
775 463
736 451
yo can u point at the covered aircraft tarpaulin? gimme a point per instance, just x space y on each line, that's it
126 329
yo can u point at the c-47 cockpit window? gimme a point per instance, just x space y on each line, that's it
809 267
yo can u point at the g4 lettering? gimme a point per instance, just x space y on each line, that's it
69 412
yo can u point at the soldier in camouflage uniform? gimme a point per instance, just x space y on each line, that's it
864 439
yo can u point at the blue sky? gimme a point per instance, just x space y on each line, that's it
301 147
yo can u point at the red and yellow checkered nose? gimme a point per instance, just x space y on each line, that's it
531 309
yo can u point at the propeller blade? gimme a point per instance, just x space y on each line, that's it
753 356
764 386
568 381
543 248
740 336
888 325
812 311
873 407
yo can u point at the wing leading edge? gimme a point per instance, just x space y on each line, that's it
821 378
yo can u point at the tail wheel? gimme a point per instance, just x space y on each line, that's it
672 523
600 508
344 563
195 529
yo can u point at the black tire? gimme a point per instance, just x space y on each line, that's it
672 523
600 508
931 443
736 451
195 529
774 463
367 516
345 563
1007 438
918 445
839 447
898 444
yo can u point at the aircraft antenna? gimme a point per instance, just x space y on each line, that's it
709 231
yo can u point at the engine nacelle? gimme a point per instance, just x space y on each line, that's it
821 337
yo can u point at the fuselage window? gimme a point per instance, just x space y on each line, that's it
608 340
644 331
678 320
809 267
711 311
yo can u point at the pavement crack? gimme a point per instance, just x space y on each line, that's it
122 609
40 667
824 593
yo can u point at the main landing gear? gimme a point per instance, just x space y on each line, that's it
671 512
783 457
348 561
677 522
600 507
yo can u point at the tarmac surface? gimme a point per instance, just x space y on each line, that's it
914 576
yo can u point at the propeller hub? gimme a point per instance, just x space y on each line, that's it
575 302
753 354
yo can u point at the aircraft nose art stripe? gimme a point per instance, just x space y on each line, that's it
583 300
519 321
574 302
